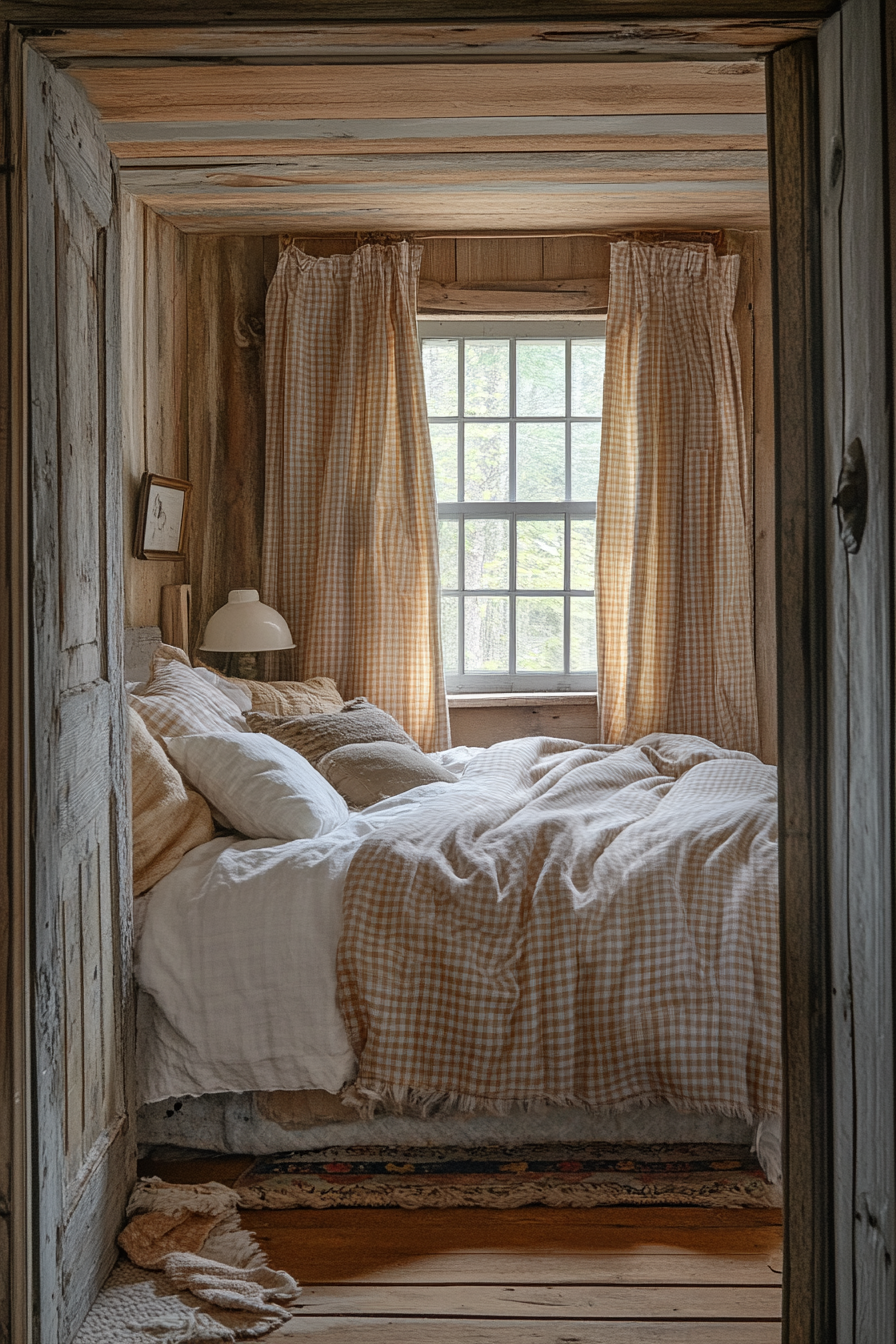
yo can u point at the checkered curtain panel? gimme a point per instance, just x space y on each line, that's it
673 576
350 551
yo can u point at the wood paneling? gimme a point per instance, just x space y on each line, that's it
802 509
154 401
208 93
476 723
226 279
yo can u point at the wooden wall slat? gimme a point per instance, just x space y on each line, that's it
480 259
154 382
227 287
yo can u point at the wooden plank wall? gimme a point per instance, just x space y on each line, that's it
197 302
154 386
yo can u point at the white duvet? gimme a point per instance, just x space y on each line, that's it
236 960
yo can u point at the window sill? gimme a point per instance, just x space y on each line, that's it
521 700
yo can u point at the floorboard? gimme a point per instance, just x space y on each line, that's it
523 1276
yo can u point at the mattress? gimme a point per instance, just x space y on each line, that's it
234 1123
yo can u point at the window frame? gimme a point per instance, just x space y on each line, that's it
523 328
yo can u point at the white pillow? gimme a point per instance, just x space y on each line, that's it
231 689
262 787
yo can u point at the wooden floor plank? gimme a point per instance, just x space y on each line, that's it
343 1330
524 1301
311 1266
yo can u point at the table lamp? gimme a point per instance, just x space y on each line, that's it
245 626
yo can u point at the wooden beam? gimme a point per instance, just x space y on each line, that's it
43 13
437 211
438 168
534 296
574 88
718 38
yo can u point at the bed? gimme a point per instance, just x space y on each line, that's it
564 942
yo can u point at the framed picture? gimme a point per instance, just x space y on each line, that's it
163 515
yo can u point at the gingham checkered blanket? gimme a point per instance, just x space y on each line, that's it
585 925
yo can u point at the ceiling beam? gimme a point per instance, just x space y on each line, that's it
455 168
224 93
709 39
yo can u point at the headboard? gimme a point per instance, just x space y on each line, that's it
139 645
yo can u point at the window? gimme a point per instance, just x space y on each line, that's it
515 415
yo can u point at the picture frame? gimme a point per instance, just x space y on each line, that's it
163 518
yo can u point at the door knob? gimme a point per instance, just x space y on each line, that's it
851 498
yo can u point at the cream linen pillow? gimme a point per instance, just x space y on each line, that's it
367 772
317 695
175 701
168 818
263 788
313 735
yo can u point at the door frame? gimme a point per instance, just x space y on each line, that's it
804 707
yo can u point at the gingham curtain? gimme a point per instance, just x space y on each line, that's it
673 578
350 553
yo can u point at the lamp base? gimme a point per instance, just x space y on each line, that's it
244 665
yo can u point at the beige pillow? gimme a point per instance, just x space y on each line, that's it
366 772
317 695
175 702
168 818
315 734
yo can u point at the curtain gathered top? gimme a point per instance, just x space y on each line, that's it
673 577
350 552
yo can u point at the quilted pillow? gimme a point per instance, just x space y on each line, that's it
175 701
367 772
317 695
168 818
259 785
314 735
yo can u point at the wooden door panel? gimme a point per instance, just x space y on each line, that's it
83 1018
80 245
860 683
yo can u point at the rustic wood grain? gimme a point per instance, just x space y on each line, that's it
484 726
43 12
438 210
725 37
543 296
83 1011
801 517
206 92
226 287
219 145
569 166
862 628
175 615
394 1330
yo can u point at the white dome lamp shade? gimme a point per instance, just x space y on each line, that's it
246 625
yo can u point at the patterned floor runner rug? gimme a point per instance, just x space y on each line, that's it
569 1175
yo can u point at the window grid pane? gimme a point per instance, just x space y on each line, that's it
500 454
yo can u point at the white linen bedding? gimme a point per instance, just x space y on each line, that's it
237 947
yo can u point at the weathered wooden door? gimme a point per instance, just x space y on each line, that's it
84 1141
834 347
857 319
